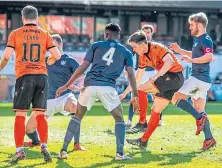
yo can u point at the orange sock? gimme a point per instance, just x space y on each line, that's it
19 131
153 123
42 128
143 102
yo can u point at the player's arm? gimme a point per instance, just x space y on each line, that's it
175 47
80 70
133 84
139 74
78 73
54 51
204 59
55 54
168 63
132 81
208 57
5 57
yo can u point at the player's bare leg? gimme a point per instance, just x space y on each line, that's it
143 89
117 114
72 130
31 132
158 106
180 100
209 141
19 134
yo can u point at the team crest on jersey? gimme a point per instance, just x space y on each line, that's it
63 62
112 44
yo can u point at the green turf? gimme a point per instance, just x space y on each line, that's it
173 145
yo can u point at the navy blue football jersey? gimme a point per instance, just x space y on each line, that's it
202 45
59 74
108 59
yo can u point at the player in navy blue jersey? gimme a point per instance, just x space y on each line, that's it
199 82
58 74
108 59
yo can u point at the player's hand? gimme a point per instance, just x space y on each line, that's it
74 87
122 96
51 60
60 91
175 47
153 78
135 103
125 75
186 59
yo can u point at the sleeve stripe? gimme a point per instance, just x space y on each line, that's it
164 55
142 67
10 46
50 47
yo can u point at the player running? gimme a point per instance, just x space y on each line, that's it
199 82
108 58
168 79
58 74
30 44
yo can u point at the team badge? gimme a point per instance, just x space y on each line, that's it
63 62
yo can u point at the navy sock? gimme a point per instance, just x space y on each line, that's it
34 137
131 112
207 131
186 106
73 127
120 136
77 136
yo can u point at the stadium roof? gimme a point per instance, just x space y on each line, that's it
128 4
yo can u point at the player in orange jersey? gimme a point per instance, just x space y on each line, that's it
168 79
30 44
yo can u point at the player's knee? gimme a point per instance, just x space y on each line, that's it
199 109
177 96
72 107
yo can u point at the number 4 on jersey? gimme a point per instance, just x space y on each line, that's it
108 56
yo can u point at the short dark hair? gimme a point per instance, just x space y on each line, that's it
148 27
57 38
29 12
114 27
138 37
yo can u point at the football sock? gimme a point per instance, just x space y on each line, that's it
19 149
34 137
72 129
131 112
186 106
161 114
120 136
207 131
77 136
42 128
152 125
143 102
19 131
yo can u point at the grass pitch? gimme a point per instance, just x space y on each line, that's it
171 146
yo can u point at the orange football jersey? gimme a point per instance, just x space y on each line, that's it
155 55
30 43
